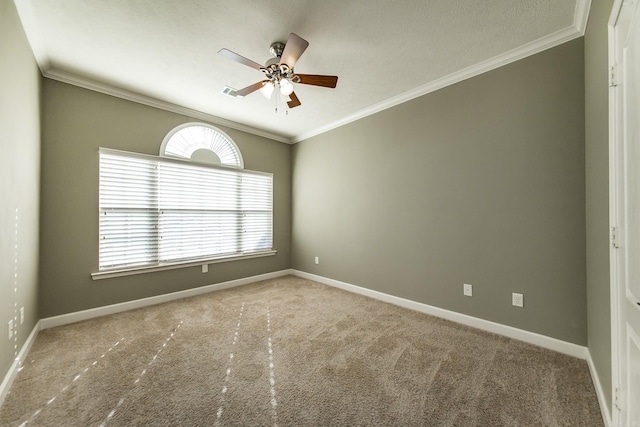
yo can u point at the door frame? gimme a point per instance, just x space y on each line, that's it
616 197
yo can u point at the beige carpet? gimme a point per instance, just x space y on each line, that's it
291 352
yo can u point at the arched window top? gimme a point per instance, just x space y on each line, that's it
202 143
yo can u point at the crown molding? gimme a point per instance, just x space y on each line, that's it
38 44
581 15
578 28
552 40
111 90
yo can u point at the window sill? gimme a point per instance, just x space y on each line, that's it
107 274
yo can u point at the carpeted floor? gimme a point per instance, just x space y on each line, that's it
292 352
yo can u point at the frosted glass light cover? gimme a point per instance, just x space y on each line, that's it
286 87
267 90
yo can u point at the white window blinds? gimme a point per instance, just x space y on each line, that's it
157 211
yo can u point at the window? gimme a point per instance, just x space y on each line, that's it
202 143
157 211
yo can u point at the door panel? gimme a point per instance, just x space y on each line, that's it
626 124
631 89
633 376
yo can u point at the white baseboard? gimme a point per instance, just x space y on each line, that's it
65 319
486 325
604 407
508 331
17 363
497 328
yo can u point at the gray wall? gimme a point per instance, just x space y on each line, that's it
597 190
19 182
76 122
481 182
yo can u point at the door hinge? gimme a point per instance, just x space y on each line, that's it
613 82
617 399
613 237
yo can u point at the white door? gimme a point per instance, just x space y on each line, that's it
625 218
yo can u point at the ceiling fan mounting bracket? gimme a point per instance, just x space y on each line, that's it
276 49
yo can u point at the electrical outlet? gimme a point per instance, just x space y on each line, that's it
21 315
205 268
517 299
10 328
317 260
468 290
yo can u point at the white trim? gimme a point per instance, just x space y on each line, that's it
530 337
86 83
613 413
526 50
178 128
65 319
581 16
613 19
172 266
576 30
180 160
602 399
17 363
485 325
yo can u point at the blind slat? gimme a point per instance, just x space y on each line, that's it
154 211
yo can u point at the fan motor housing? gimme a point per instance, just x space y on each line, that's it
272 61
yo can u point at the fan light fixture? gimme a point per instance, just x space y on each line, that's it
278 71
286 87
278 75
267 90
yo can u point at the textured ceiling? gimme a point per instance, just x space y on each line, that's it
384 52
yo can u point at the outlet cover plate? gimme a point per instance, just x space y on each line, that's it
467 290
517 299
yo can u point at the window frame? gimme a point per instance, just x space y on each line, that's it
230 143
174 264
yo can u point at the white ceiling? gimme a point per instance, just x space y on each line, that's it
164 52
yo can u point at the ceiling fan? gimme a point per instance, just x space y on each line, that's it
279 70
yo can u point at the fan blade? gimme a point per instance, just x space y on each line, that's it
250 89
294 101
316 80
239 58
293 50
